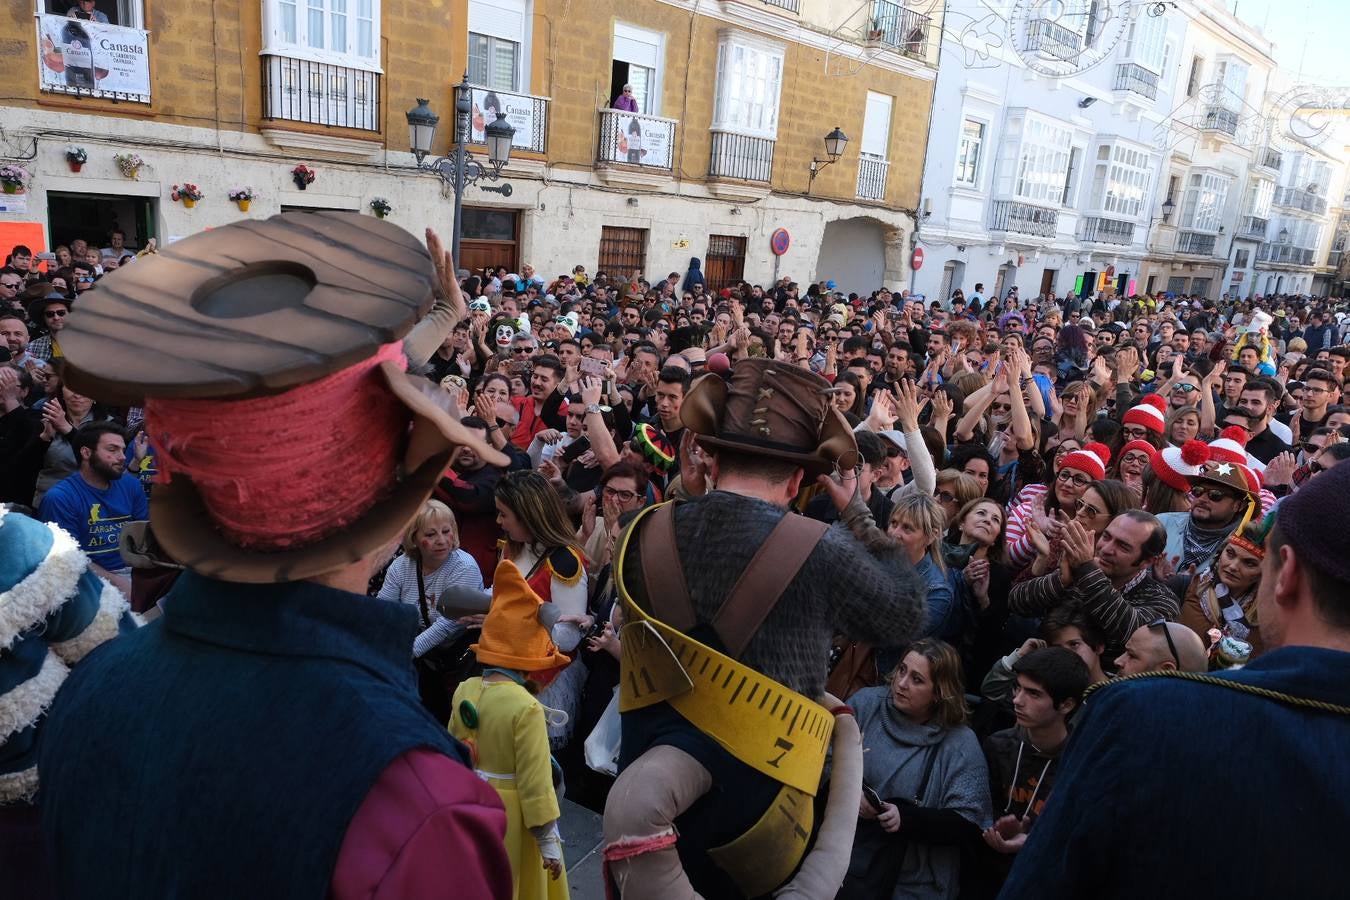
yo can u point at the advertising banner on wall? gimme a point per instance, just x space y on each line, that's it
520 114
84 56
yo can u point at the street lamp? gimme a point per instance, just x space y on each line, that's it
460 169
1283 237
1168 208
835 142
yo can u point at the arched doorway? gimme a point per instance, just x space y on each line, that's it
855 254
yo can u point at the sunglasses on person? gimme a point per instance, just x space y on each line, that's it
1000 407
945 497
521 349
1167 633
55 313
1184 386
1316 467
1068 476
1213 495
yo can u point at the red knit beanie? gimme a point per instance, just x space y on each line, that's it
1230 446
1092 459
1142 446
1150 413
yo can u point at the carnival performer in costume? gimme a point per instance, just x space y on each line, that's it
504 726
263 738
53 611
1256 335
730 603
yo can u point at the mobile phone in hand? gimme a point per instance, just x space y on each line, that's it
873 798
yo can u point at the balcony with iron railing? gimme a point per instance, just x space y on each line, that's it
1334 258
1136 79
88 59
1253 227
1023 218
1269 159
1220 119
905 30
1196 243
872 177
740 157
300 90
791 6
1098 230
1053 39
1297 198
632 139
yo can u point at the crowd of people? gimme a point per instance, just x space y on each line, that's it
1080 489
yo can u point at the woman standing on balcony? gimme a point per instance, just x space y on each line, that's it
626 101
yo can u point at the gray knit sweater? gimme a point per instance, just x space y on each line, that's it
872 596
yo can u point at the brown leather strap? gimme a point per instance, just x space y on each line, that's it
667 592
772 569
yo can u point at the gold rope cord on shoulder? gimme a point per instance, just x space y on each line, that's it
767 726
1239 686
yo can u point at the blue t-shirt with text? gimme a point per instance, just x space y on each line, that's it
95 518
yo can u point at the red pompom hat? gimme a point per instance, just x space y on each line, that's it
1150 413
1230 446
1176 466
1142 447
1092 459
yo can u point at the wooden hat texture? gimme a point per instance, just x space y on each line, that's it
253 309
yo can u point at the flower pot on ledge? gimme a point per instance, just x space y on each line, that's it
300 182
189 202
75 166
11 188
243 205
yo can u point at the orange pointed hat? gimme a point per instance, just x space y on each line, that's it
513 636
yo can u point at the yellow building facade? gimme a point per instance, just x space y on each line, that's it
734 99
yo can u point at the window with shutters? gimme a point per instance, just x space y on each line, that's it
346 32
1121 180
623 251
749 80
637 62
876 139
498 47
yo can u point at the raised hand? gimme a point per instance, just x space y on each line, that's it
907 405
447 285
590 390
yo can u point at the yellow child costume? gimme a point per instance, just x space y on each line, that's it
505 729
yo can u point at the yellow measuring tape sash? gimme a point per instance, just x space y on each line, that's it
770 728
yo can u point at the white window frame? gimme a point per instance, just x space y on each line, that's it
1042 161
1261 199
962 165
1121 181
493 43
483 23
277 43
1232 92
631 45
130 12
1205 200
1146 44
878 111
767 56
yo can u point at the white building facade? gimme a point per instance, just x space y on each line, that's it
1045 160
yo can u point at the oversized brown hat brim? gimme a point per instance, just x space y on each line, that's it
701 413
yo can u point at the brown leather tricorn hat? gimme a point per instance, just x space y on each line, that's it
771 409
252 310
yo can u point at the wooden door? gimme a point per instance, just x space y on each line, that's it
724 264
490 238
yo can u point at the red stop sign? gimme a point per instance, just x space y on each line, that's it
916 260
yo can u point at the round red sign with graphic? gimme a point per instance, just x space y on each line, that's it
916 260
779 241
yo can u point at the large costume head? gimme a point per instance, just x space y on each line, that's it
268 358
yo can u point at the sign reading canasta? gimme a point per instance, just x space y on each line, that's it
520 113
81 55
